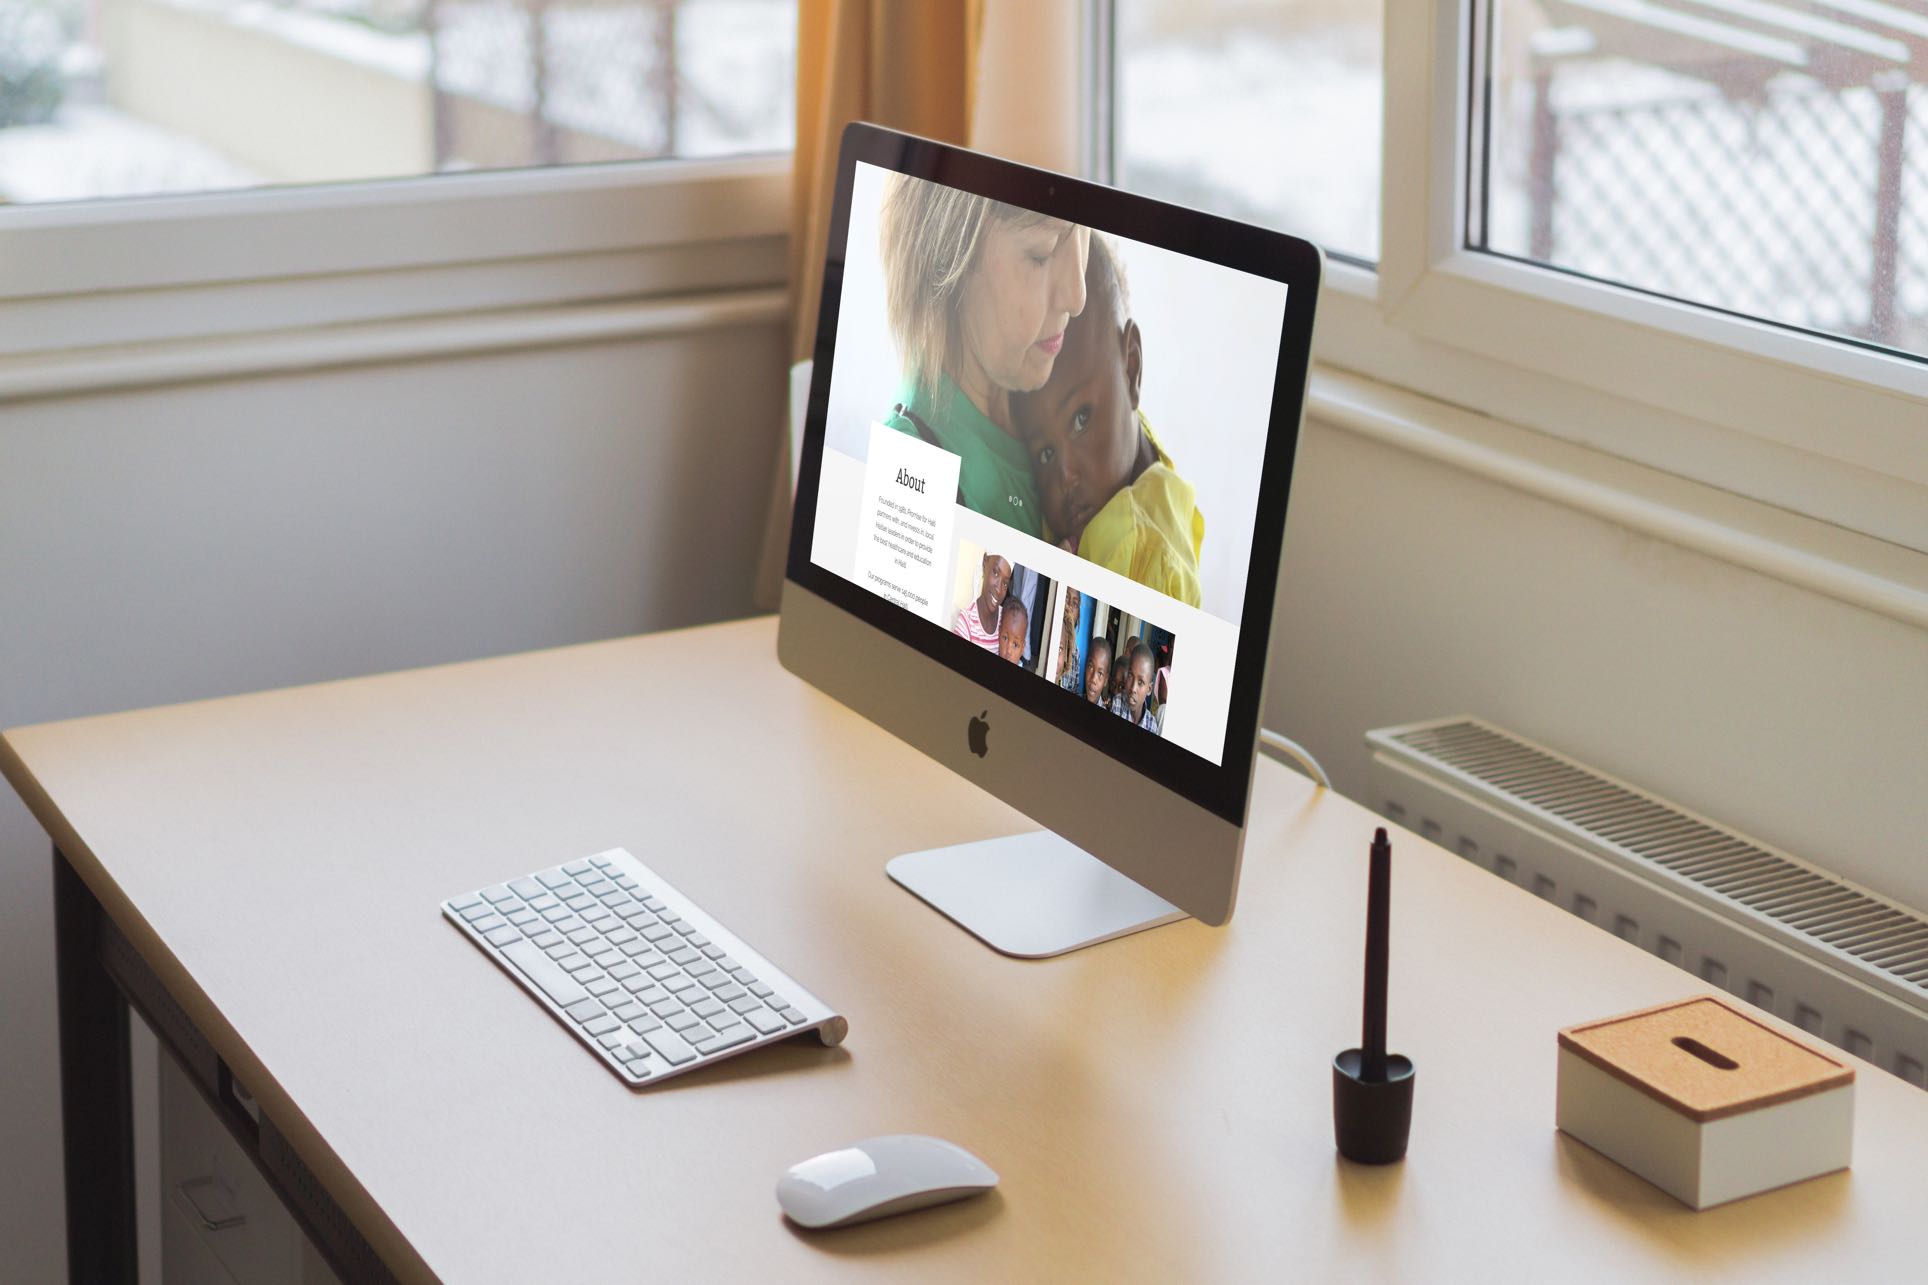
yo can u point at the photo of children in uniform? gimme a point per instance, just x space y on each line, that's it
1041 353
1107 658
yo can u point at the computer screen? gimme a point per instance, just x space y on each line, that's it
1049 442
1053 454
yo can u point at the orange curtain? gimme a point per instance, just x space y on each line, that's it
908 64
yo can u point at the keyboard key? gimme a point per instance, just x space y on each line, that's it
557 913
578 900
683 926
682 1021
462 903
592 880
766 1022
791 1015
582 934
745 1004
715 951
730 992
527 889
601 1025
579 869
554 879
623 971
638 984
715 981
685 986
502 936
637 913
656 932
614 1039
601 987
479 911
499 894
685 957
630 1010
604 955
670 1047
546 938
716 1043
653 995
560 950
541 970
544 902
613 897
601 919
663 970
760 990
584 1009
640 951
698 940
702 969
618 936
577 964
645 1024
668 1006
706 1008
523 918
602 862
743 975
654 903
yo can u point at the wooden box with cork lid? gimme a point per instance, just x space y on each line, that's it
1703 1101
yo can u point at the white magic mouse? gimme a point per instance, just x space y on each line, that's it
876 1177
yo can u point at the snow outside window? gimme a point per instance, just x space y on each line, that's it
144 97
1763 157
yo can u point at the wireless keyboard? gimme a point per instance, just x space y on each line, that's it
640 974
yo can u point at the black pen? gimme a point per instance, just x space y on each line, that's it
1378 941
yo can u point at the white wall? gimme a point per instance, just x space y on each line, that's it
171 544
1411 589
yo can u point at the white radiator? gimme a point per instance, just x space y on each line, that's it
1837 960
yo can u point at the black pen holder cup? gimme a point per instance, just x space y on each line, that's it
1371 1118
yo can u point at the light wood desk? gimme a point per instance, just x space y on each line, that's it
1159 1106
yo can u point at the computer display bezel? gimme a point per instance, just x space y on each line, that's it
1220 788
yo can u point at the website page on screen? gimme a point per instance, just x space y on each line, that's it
1048 441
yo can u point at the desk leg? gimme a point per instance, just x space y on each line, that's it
96 1093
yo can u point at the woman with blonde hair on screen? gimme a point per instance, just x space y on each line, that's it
978 295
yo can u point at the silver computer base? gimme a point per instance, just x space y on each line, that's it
1031 895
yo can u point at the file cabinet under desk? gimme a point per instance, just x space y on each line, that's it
221 1223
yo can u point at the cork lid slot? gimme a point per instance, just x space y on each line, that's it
1704 1058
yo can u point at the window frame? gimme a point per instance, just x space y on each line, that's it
183 269
1826 429
1757 378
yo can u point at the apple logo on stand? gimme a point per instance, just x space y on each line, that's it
978 730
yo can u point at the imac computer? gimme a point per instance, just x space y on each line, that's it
1046 455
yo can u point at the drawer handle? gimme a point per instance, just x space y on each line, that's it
211 1202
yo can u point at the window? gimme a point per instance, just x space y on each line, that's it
1692 234
142 97
1268 113
1764 157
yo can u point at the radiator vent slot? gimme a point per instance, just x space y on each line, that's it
1695 892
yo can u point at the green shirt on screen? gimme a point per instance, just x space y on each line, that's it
994 476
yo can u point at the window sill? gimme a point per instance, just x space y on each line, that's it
125 367
1823 558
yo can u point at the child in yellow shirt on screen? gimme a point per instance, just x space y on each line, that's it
1109 491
